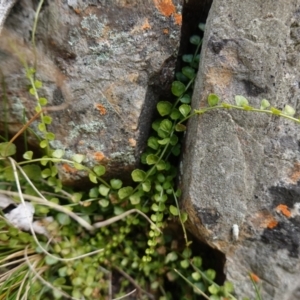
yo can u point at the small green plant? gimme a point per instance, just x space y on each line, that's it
95 235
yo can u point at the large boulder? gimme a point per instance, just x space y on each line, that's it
107 61
240 167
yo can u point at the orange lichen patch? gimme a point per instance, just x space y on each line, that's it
77 10
99 156
132 142
295 174
166 31
178 18
101 109
67 168
272 224
254 277
166 7
284 210
146 25
263 219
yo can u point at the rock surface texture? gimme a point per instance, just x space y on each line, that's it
115 57
244 168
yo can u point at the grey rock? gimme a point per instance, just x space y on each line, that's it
5 7
106 63
244 168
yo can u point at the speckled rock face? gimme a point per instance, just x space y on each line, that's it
244 168
111 55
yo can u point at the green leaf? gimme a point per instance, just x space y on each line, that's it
185 109
213 289
176 150
185 263
161 165
138 175
32 171
172 256
44 160
43 101
50 136
93 178
289 111
175 114
93 192
30 72
38 84
197 261
46 173
47 119
58 153
188 58
228 287
275 111
195 40
174 210
241 101
38 109
201 26
78 158
162 134
135 199
164 108
41 127
155 124
166 125
28 155
180 127
32 91
164 141
63 219
187 252
184 217
264 104
103 203
173 140
186 98
76 197
103 190
196 276
159 217
125 192
189 72
99 170
211 274
49 260
161 207
155 207
180 77
78 166
7 149
151 159
152 143
178 88
213 100
116 183
160 198
178 193
146 186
